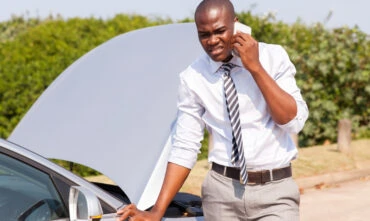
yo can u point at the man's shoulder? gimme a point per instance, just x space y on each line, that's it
198 66
274 57
271 48
273 53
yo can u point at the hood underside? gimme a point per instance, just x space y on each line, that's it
113 108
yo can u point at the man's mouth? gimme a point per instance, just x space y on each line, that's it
216 51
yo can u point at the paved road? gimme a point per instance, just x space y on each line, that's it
348 201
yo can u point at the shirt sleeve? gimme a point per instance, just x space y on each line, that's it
189 128
285 78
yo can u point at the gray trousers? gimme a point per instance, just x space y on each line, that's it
225 199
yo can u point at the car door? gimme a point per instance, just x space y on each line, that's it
31 191
28 193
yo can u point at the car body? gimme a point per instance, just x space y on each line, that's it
111 110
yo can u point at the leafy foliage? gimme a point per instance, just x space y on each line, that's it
17 25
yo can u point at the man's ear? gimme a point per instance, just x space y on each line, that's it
236 19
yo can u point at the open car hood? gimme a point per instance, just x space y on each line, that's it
113 108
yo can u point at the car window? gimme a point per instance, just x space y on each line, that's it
27 193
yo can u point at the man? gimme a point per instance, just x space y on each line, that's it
270 108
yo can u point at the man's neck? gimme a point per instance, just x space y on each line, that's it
228 58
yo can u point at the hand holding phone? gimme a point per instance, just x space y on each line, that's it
242 28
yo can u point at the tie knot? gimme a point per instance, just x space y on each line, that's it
226 68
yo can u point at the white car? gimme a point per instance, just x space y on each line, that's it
111 110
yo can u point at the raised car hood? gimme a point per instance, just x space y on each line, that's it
113 108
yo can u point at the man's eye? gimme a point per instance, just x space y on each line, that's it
203 35
220 32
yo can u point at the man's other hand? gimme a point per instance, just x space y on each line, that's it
131 213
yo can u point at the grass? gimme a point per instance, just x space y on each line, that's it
311 161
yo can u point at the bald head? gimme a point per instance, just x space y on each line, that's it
215 6
215 21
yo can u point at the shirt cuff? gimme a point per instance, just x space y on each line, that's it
297 123
183 157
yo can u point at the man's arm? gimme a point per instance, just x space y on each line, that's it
282 105
186 143
174 179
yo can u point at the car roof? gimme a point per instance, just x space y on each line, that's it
113 108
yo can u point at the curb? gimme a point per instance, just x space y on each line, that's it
332 178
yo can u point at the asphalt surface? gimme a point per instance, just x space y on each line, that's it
346 201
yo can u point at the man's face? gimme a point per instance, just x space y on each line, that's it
215 30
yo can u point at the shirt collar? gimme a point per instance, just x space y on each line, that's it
215 65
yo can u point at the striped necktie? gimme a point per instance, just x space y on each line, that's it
237 154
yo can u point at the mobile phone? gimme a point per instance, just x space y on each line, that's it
242 28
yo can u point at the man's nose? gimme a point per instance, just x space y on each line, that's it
212 40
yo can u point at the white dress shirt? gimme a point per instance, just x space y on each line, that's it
201 104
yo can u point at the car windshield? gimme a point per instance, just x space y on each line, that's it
27 193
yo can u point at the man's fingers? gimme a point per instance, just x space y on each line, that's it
127 211
242 36
237 42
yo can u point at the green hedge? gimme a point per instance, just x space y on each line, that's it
332 64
